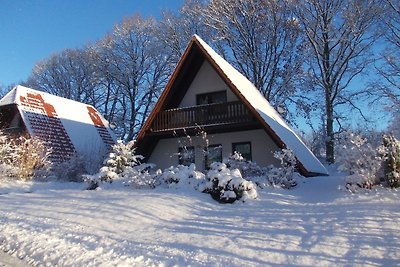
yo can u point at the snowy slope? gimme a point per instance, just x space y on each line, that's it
7 260
266 111
315 224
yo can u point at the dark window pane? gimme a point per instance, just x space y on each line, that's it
211 98
244 148
186 155
213 154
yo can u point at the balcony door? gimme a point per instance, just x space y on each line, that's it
214 109
211 98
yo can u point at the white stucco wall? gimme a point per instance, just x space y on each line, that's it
262 146
206 80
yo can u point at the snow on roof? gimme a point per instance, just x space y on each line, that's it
266 111
65 125
9 98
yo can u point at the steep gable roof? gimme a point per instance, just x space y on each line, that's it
65 125
194 55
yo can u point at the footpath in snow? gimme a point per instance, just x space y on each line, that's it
314 224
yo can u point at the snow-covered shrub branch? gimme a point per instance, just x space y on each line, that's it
23 158
123 165
356 156
71 170
227 185
369 165
181 176
31 157
282 176
392 161
6 156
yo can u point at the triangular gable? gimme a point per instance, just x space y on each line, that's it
9 98
65 125
198 51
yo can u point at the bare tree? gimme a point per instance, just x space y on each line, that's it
261 38
68 74
176 29
5 89
388 86
135 66
2 91
339 34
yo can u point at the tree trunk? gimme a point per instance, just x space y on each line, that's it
330 137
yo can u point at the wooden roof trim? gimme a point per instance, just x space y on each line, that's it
278 141
161 100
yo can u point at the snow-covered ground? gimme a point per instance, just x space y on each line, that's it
314 224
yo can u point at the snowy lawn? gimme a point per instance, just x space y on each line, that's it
315 224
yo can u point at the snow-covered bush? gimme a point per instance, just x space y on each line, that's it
6 149
6 156
282 176
247 168
123 165
23 158
227 185
392 161
7 171
181 176
31 157
121 158
71 170
360 159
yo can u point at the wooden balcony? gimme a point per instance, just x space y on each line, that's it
222 114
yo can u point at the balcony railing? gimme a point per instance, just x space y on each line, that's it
204 115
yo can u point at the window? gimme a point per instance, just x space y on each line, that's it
213 154
186 155
244 148
211 98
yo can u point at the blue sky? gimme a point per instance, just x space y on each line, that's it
32 30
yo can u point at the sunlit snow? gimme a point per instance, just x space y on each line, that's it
313 224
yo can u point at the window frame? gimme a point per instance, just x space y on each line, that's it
243 143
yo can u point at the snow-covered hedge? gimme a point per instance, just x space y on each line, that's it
283 176
180 176
227 185
224 181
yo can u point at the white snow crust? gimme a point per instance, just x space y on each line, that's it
267 112
314 224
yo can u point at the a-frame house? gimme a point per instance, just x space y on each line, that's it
205 93
65 126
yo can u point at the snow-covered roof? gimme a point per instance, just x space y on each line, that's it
9 98
266 111
65 125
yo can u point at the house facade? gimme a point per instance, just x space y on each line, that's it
208 111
